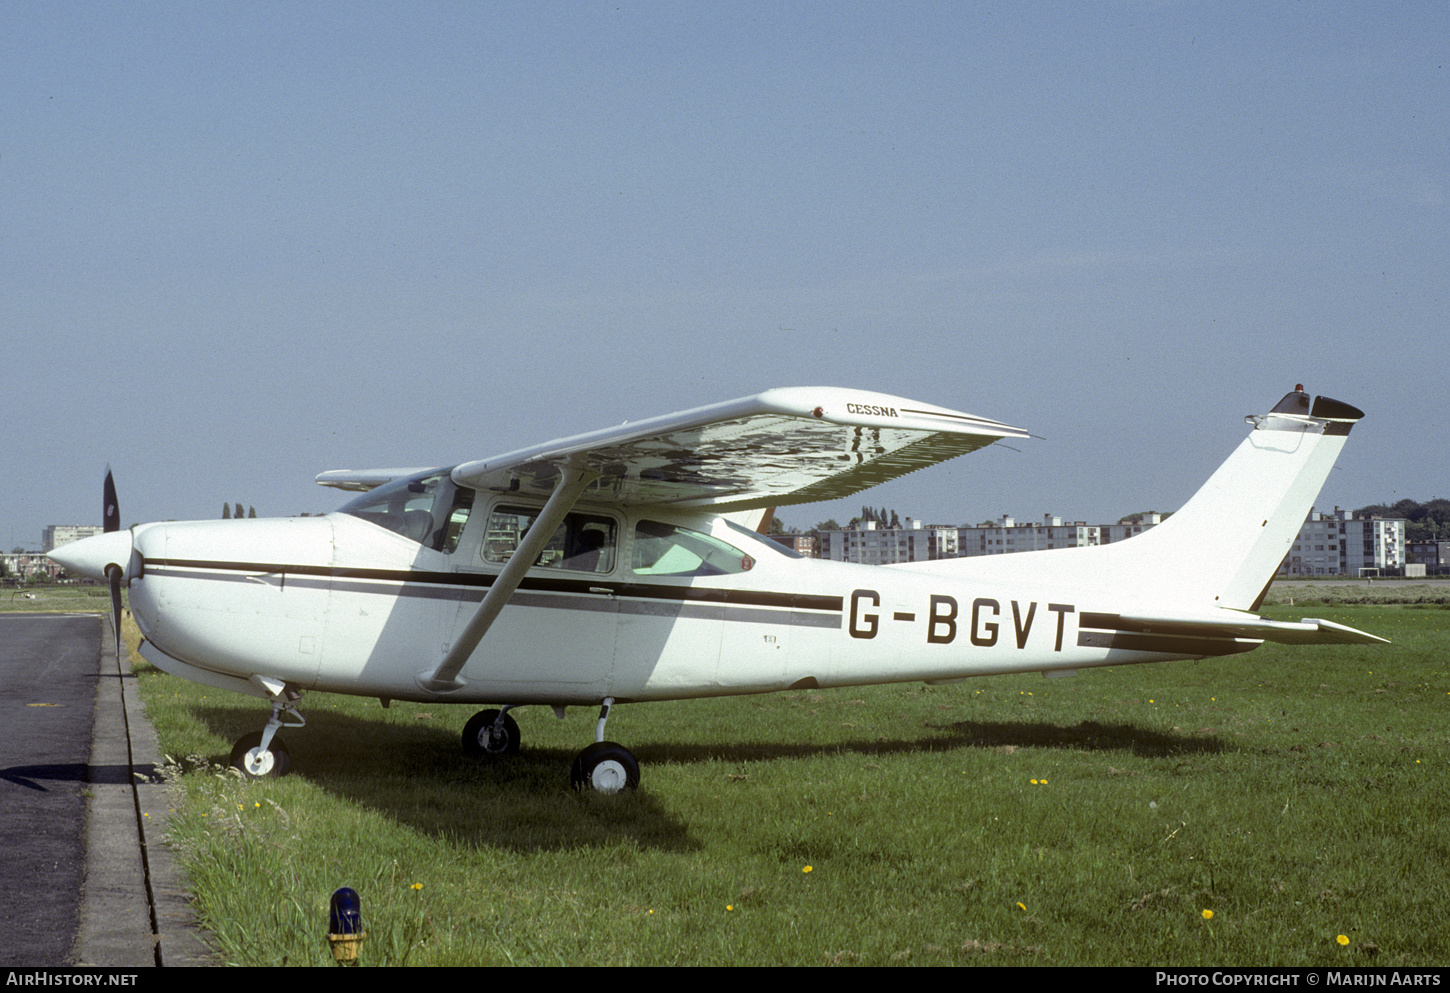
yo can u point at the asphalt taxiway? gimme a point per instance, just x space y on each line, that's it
85 878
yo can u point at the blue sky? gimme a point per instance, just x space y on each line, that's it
246 243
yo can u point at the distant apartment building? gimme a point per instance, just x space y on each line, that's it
26 566
1433 555
920 542
1341 544
1127 527
63 534
803 544
1328 544
874 545
1007 535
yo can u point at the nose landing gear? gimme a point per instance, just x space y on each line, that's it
261 754
258 761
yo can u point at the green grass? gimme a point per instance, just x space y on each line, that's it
52 598
1296 794
1359 592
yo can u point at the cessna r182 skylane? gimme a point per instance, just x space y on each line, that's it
623 566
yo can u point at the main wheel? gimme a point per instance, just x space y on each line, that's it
480 738
247 755
605 767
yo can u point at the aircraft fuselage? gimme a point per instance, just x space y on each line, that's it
341 605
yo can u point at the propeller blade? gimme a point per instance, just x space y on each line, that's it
111 521
110 512
114 575
105 555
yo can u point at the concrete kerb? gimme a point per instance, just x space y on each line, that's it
135 910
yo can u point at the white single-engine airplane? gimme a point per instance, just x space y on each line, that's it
623 566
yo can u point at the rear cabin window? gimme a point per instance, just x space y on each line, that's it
666 550
583 543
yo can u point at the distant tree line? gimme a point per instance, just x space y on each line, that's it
228 514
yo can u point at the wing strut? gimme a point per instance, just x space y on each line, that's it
572 481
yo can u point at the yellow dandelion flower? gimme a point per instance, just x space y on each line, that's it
1033 781
1343 939
1021 904
807 868
416 886
1208 915
730 906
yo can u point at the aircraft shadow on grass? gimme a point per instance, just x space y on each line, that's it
416 775
1087 736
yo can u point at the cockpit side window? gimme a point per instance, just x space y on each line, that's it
428 509
583 543
666 550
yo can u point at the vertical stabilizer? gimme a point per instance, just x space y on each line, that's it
1225 544
1232 535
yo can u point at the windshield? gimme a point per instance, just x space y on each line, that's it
427 508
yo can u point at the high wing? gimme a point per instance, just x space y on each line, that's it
783 446
362 480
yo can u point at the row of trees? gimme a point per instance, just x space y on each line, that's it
228 514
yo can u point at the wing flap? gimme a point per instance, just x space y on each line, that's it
785 446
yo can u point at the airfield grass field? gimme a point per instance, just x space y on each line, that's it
1285 807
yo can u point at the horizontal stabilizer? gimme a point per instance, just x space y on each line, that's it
1308 631
1331 633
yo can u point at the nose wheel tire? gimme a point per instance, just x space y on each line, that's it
254 763
605 767
480 738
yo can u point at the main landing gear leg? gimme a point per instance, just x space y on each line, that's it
262 753
491 732
604 767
